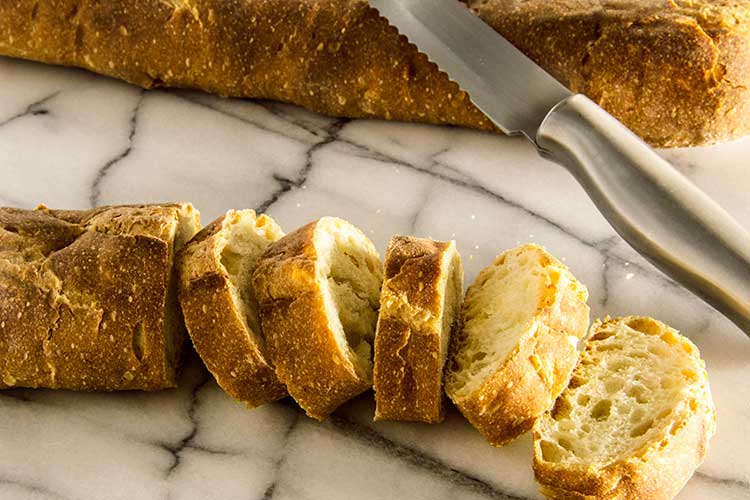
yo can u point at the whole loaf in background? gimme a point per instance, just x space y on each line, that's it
675 72
88 298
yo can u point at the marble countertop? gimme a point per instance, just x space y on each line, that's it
70 139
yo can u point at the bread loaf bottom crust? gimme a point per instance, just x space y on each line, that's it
676 73
87 298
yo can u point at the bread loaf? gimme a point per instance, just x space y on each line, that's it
337 57
419 306
88 298
635 420
675 72
219 306
521 322
318 290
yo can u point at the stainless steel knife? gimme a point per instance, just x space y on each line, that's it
647 201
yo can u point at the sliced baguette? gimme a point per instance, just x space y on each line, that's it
419 305
218 303
521 322
635 420
318 292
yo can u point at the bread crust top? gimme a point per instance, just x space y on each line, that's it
409 357
412 271
675 72
85 297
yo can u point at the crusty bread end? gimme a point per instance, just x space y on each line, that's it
88 297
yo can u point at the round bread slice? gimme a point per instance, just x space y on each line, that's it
318 292
218 303
522 319
635 420
419 306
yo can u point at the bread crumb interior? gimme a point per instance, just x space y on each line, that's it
350 274
243 238
451 290
633 380
499 308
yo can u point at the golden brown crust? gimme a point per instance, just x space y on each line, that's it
86 297
538 369
218 332
408 368
676 73
304 351
657 472
332 56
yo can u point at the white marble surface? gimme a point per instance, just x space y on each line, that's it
71 139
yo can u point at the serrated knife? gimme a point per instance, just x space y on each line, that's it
647 201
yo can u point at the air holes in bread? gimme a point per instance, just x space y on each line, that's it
601 410
641 429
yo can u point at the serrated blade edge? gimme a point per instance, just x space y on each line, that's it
513 91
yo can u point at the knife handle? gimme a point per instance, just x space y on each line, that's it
660 213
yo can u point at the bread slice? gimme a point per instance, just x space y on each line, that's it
88 298
635 420
419 306
522 319
318 292
218 303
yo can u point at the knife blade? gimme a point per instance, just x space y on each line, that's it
502 82
508 87
661 214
